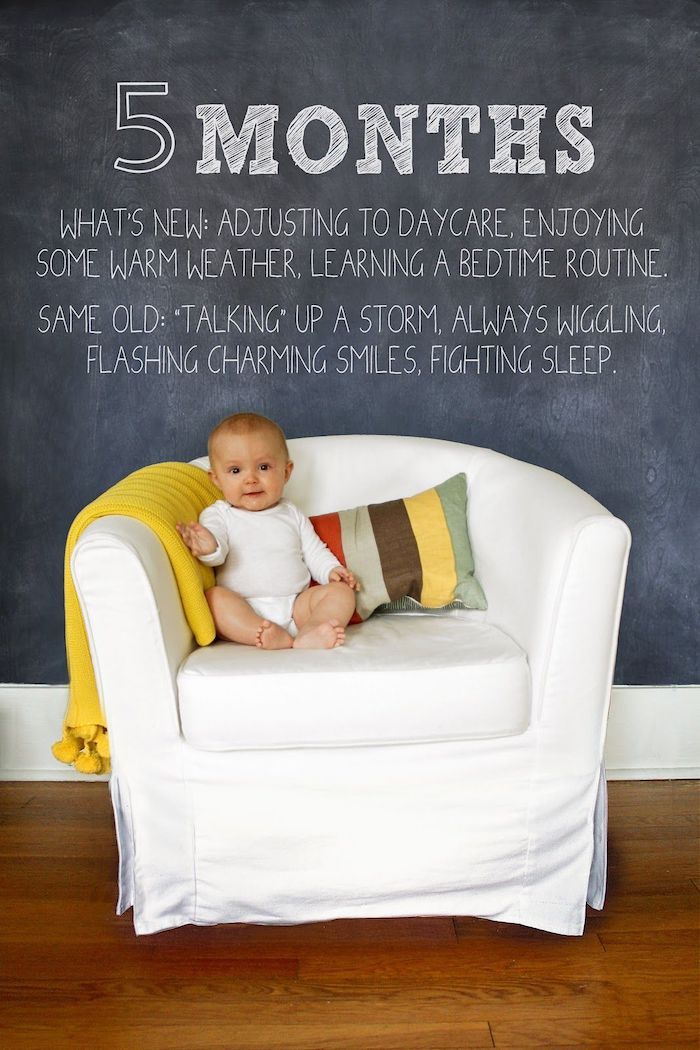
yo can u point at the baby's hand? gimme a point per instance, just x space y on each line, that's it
197 537
342 575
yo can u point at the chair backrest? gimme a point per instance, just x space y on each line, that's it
335 472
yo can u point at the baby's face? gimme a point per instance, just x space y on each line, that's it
250 469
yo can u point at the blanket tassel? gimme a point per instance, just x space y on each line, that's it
86 748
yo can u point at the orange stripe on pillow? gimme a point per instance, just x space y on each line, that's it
327 526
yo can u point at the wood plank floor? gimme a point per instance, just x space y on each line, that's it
73 974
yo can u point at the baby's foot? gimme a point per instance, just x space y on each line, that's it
272 636
320 636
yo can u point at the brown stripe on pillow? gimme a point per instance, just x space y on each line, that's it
398 551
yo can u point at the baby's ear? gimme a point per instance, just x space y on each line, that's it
288 470
213 478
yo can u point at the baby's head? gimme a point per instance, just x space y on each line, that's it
249 461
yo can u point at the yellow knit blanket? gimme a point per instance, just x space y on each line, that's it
159 496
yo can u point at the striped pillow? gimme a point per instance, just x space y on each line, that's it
415 548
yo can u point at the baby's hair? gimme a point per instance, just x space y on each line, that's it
247 423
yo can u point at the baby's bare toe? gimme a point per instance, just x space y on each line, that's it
259 633
272 636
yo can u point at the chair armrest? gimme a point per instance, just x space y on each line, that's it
552 562
137 632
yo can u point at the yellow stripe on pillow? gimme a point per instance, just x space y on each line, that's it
427 517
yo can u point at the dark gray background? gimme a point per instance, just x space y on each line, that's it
629 437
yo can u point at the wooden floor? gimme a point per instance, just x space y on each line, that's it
74 975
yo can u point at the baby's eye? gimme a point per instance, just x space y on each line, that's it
233 470
264 466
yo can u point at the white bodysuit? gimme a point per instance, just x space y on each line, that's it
266 556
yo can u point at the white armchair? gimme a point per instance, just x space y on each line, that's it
434 765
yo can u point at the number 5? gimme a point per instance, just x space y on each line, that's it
148 122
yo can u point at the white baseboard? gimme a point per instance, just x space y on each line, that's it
31 720
653 733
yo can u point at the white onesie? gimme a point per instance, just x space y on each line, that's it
266 556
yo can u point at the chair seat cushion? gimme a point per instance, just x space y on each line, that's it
399 678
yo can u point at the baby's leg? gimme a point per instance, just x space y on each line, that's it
236 621
321 614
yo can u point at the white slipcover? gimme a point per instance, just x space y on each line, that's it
434 766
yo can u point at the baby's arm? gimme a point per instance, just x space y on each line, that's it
197 537
320 561
207 538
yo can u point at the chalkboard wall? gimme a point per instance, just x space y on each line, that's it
519 273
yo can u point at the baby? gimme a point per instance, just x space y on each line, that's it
265 549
